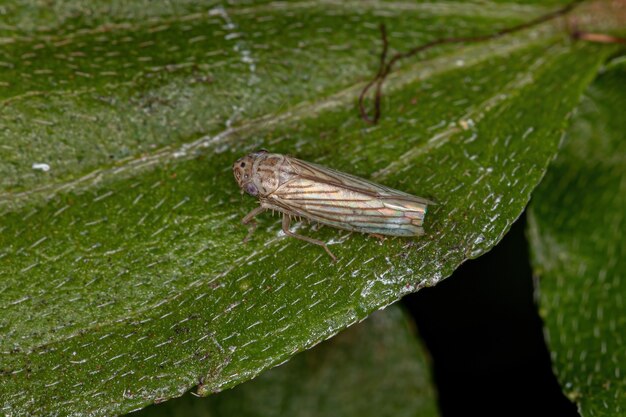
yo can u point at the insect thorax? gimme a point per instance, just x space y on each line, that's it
270 171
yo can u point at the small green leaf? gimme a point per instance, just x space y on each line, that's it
124 280
577 221
374 368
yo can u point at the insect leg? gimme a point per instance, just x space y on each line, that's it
250 222
287 221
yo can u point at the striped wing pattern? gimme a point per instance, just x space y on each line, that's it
344 201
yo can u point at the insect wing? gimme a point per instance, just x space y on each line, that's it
345 201
357 183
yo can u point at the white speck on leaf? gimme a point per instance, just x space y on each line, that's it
40 166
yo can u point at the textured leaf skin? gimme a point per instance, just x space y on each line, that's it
124 280
374 368
577 231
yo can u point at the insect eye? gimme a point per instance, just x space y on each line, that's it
243 165
251 189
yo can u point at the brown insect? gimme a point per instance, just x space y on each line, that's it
302 189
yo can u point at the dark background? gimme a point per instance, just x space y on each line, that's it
485 337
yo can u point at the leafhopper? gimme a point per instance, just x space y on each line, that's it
297 188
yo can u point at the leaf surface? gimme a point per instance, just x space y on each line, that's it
374 368
124 280
576 229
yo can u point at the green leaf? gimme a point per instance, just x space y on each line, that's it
576 229
124 280
374 368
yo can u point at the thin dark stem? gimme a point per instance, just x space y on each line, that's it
386 67
381 68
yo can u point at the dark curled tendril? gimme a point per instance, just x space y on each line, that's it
378 80
385 67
